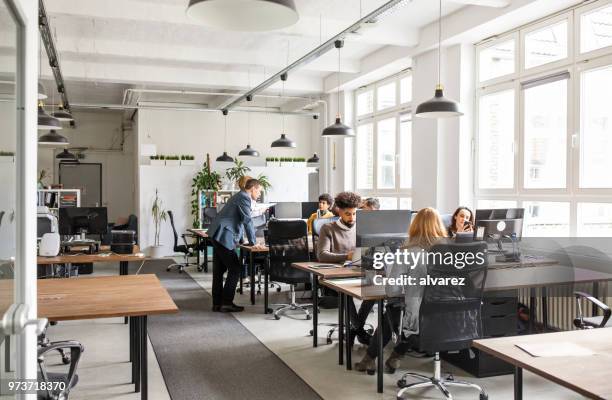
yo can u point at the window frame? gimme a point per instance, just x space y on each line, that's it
374 118
502 78
575 64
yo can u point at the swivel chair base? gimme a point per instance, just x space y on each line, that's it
291 306
436 381
181 266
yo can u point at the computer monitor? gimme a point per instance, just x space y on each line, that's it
499 213
77 220
287 210
308 208
375 228
496 229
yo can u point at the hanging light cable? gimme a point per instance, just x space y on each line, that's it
439 106
249 151
338 128
225 157
283 141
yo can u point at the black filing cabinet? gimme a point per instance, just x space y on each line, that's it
499 318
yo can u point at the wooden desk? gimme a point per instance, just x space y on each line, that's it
354 288
201 236
323 273
252 251
104 256
587 375
136 296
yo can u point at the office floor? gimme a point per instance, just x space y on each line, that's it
104 371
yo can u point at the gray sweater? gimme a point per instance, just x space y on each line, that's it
335 242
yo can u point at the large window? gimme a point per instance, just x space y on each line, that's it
383 141
544 125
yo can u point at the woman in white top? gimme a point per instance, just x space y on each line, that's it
425 230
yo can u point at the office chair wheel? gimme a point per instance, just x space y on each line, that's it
329 340
65 360
258 291
180 270
168 269
310 332
278 289
309 316
277 317
483 396
401 383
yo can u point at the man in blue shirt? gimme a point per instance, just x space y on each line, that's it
226 232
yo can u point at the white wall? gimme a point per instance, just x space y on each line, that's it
99 132
7 180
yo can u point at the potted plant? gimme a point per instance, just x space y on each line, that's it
156 160
172 161
265 185
41 176
7 157
236 172
187 159
299 162
159 215
208 181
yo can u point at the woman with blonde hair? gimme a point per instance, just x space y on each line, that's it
425 230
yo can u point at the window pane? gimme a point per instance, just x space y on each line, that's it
386 96
495 140
405 151
546 45
546 219
405 203
545 135
595 125
596 29
365 103
365 159
388 203
594 219
497 60
491 204
386 154
406 89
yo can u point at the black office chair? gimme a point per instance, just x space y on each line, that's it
449 316
130 225
288 242
602 321
70 378
186 248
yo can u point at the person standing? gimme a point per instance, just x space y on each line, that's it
226 231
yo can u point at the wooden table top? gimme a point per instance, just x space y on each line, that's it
103 297
587 375
329 273
203 233
252 250
354 287
105 255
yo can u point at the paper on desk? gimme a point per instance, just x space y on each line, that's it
560 349
348 281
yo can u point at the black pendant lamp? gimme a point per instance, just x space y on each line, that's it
53 139
439 106
66 156
45 121
225 157
338 128
251 15
283 141
314 159
63 115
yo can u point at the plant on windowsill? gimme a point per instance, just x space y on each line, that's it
7 157
187 159
173 161
157 160
159 214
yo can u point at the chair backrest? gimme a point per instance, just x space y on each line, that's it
288 242
171 216
450 315
317 224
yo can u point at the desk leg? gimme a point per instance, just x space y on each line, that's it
132 329
252 277
315 309
341 329
123 270
205 255
241 257
544 310
266 286
347 334
532 310
198 241
144 395
137 353
518 383
379 358
596 295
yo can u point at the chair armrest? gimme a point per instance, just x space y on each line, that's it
65 344
599 304
76 348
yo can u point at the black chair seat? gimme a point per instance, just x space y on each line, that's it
181 248
593 322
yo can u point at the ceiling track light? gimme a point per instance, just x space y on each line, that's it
225 157
439 106
243 15
338 128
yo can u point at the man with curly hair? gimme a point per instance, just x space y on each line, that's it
337 242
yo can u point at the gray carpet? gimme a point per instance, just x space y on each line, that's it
206 355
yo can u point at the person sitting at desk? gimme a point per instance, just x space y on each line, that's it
325 203
425 230
337 243
461 221
226 231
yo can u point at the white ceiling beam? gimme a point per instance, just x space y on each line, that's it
484 3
